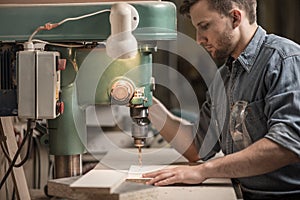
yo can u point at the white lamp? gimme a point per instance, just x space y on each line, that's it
124 19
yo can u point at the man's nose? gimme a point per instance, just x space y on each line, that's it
200 38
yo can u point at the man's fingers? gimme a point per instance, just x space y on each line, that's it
151 174
159 178
155 173
167 181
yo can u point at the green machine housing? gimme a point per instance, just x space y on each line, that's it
90 75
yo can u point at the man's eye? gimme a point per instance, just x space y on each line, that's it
204 26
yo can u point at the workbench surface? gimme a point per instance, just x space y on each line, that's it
83 187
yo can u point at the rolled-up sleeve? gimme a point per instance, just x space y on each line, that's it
283 103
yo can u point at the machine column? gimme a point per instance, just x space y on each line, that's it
67 166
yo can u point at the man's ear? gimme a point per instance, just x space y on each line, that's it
236 17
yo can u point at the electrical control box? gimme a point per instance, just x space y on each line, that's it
38 84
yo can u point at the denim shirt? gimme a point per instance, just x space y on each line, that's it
267 76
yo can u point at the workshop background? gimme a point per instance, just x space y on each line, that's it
276 16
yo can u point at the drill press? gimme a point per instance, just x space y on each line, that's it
90 75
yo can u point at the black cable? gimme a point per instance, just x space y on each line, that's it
39 162
28 133
34 164
5 151
21 163
41 128
6 187
13 194
4 148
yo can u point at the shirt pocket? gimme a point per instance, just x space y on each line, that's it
256 120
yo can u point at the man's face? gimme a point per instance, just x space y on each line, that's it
214 31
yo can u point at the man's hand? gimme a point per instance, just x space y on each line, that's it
182 174
261 157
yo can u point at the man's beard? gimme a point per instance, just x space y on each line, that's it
225 46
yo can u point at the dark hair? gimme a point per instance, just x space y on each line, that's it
223 7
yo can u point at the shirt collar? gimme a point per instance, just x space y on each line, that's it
249 55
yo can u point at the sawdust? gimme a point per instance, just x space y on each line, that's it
140 156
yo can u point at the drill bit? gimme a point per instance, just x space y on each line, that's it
140 155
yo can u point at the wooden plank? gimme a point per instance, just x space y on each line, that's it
135 172
61 188
126 191
133 191
7 188
18 173
99 181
